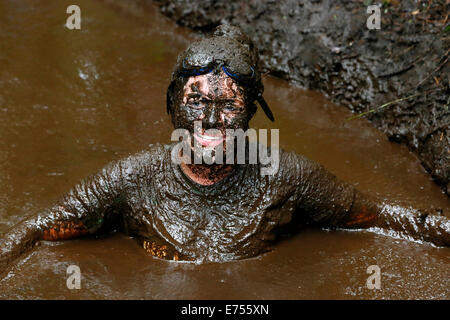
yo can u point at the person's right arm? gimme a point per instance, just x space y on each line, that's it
95 204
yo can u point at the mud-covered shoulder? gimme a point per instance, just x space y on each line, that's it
143 161
296 169
135 166
108 189
289 166
318 192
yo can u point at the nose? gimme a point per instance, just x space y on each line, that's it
212 117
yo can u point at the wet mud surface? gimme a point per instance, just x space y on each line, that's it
325 45
88 102
112 268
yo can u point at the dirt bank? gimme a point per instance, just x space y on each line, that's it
325 45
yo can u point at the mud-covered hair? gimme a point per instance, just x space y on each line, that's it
227 43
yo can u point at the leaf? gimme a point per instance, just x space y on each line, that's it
447 28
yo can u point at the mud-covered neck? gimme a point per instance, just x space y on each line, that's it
231 179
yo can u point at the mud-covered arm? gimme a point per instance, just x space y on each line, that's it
331 202
406 222
85 209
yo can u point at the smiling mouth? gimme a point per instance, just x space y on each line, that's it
208 140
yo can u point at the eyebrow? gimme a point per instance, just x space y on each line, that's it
198 95
194 95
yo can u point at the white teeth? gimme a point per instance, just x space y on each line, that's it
209 138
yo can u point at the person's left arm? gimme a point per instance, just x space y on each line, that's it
332 203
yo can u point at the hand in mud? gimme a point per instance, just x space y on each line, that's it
408 223
416 224
3 257
21 238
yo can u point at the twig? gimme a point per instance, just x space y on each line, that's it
387 105
397 72
439 67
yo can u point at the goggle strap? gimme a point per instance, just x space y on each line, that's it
168 98
265 108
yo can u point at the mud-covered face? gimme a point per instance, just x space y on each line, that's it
217 101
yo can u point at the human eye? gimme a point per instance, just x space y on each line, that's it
196 103
231 107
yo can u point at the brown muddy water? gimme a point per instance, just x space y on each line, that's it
71 101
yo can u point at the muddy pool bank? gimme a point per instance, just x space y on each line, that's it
325 45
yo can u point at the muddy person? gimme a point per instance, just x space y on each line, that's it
214 212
